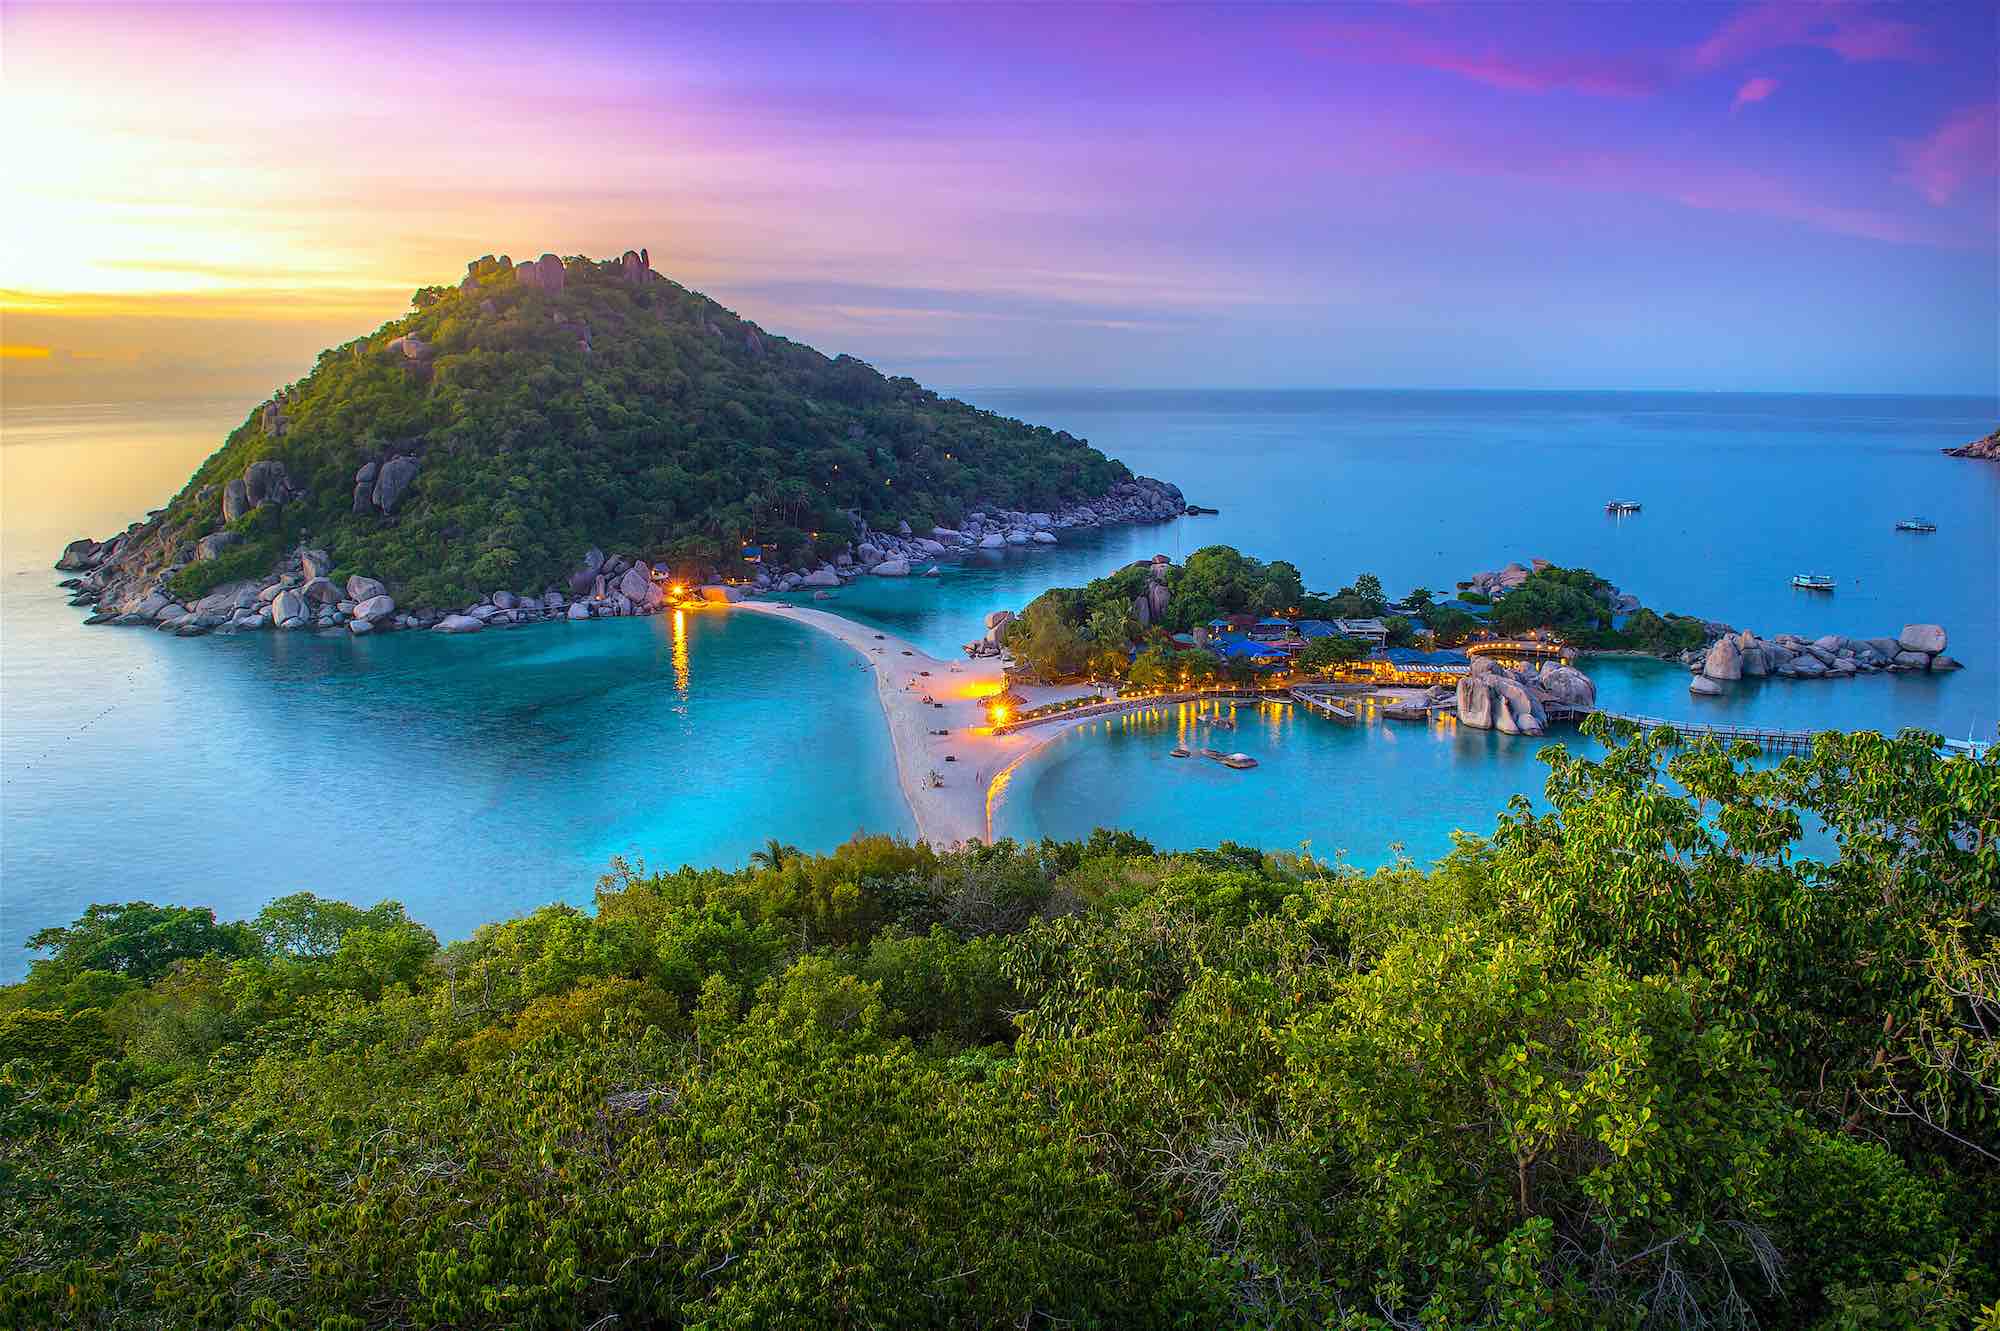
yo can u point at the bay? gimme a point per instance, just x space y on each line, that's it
474 778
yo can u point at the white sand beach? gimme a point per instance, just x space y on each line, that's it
967 758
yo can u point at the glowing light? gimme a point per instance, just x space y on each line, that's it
682 676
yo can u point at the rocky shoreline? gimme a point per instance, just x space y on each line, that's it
1987 449
1735 656
125 580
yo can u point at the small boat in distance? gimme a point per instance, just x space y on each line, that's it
1621 507
1179 751
1239 761
1916 524
1813 582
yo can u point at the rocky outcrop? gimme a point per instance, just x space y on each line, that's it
892 568
544 274
1567 685
1987 449
1734 656
391 482
460 624
267 482
360 588
1492 697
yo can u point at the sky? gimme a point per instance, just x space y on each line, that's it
1756 196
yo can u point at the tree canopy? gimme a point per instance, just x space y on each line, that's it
1650 1055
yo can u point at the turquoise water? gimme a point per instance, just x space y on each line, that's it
476 777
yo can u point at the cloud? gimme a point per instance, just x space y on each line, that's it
1956 153
1848 30
1598 75
1753 90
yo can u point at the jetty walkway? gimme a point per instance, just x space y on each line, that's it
1768 739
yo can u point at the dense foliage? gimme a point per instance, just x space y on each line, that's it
1634 1061
680 432
1576 603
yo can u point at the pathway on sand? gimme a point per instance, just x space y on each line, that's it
955 810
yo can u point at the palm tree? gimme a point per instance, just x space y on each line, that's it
774 854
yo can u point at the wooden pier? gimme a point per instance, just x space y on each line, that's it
1691 732
1321 703
1515 647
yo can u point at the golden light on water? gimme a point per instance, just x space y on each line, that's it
681 674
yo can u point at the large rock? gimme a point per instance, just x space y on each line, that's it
1703 686
892 568
315 563
992 541
544 274
721 593
867 554
360 588
1724 661
287 608
1497 699
375 609
1568 686
579 610
1044 538
1943 662
267 482
1913 660
393 481
320 591
1926 638
820 577
213 544
636 587
459 624
78 555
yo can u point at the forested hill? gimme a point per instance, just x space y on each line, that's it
510 422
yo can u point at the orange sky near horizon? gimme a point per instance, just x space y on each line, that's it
1752 195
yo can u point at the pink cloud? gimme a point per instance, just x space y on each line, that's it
1846 29
1959 151
1599 75
1753 90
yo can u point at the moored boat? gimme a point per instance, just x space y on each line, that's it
1813 582
1179 751
1916 524
1239 761
1622 506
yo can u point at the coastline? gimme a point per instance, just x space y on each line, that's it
957 810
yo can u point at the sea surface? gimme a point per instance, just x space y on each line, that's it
473 778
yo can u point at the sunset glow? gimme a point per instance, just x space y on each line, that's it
1438 194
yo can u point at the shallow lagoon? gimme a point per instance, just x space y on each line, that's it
473 778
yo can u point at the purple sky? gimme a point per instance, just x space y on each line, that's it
1754 196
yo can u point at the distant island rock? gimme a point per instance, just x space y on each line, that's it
1987 448
460 459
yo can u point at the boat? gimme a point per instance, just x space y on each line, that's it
1916 524
1813 582
1216 754
1621 507
1179 751
1239 761
1220 722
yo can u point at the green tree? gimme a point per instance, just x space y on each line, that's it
138 939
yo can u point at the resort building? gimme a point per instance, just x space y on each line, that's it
1371 631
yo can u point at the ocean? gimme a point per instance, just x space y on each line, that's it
475 778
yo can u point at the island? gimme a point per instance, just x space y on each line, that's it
471 462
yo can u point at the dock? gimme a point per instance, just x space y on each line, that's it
1766 738
1322 703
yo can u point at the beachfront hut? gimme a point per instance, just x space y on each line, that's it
1271 630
